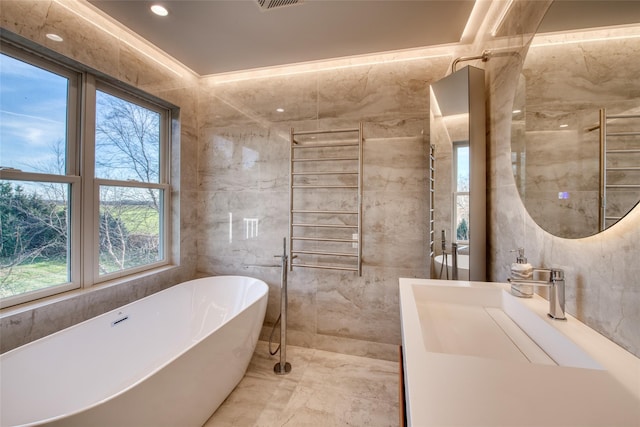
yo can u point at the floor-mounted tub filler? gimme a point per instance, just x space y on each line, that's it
169 359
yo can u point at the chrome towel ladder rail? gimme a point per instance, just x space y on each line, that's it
332 161
605 152
432 200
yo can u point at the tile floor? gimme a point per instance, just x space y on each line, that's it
323 389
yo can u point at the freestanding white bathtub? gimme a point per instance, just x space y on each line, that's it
463 267
169 359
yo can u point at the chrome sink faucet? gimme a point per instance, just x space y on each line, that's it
555 283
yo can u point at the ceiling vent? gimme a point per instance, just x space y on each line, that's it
273 4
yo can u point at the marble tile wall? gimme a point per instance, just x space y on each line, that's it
96 42
234 160
602 270
243 173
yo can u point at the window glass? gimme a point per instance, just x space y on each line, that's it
34 211
462 168
462 217
33 117
461 194
130 228
34 236
51 197
127 140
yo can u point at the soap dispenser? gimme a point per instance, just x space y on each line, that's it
521 270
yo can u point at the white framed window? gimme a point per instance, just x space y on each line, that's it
461 191
131 186
84 179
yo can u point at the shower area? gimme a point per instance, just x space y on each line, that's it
244 183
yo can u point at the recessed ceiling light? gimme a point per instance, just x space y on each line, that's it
280 110
54 37
564 126
517 111
159 10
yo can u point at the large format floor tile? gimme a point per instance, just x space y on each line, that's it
323 389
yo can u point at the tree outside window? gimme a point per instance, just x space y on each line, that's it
41 206
461 193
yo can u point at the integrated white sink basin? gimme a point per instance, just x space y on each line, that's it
489 322
476 355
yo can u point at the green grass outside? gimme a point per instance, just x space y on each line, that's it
138 219
33 276
41 274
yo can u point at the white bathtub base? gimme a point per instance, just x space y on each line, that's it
463 267
178 395
174 374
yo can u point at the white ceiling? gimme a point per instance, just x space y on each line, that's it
565 15
217 36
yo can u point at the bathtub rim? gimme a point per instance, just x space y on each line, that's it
140 380
437 260
38 304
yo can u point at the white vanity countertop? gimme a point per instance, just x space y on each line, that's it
468 364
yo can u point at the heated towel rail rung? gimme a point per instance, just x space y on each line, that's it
623 185
624 116
337 144
623 134
623 169
624 151
323 186
325 239
324 225
303 211
319 132
325 159
325 253
325 173
326 267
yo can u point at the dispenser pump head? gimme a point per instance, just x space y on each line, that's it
520 259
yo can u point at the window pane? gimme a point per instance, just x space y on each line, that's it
33 117
130 224
34 236
462 168
127 140
462 217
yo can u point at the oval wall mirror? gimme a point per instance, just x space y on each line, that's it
575 146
